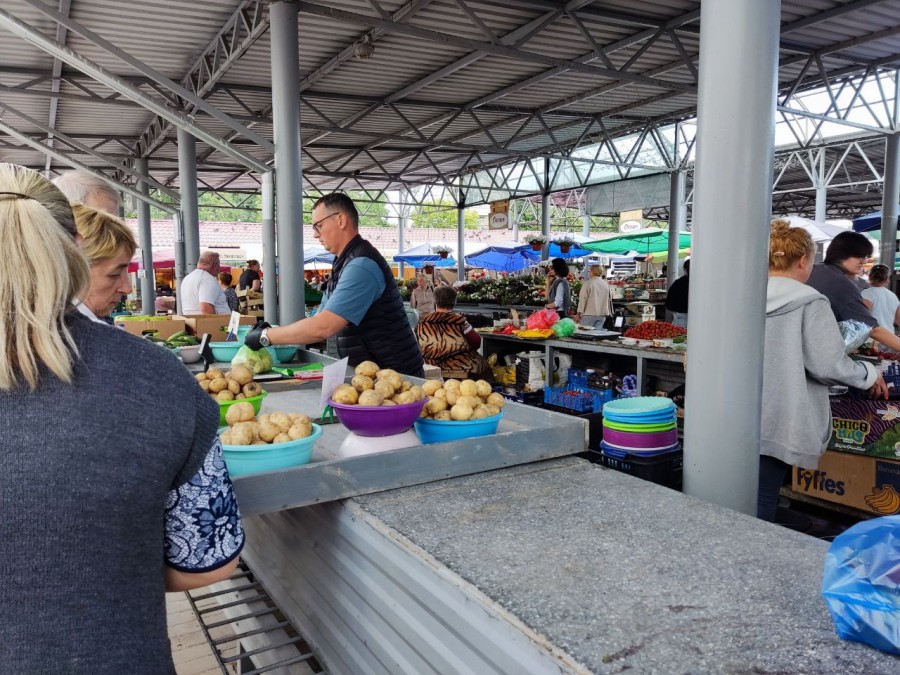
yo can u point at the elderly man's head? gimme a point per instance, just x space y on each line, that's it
81 187
209 261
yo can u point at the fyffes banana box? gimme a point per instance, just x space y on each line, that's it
866 483
866 427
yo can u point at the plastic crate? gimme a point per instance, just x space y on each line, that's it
578 399
577 378
663 469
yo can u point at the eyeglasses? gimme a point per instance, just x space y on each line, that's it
317 227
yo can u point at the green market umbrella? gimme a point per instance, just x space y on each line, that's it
651 240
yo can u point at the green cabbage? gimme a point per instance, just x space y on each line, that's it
259 361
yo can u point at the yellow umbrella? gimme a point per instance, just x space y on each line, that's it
663 256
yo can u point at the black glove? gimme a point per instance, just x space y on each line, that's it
252 339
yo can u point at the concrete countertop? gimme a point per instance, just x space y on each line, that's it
626 575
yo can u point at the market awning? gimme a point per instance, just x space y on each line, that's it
504 259
870 221
643 241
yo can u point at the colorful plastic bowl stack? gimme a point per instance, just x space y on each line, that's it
644 425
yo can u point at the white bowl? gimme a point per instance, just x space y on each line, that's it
189 353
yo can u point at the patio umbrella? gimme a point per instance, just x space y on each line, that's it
317 254
423 254
817 230
870 221
647 241
504 259
575 251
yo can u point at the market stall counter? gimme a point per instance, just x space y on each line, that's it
552 567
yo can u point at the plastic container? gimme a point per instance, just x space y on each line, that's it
243 460
385 420
571 398
255 401
189 353
662 469
225 351
578 377
441 431
653 439
282 353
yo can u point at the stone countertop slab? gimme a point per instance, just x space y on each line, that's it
625 575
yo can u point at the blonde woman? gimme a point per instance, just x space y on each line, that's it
804 354
109 246
105 504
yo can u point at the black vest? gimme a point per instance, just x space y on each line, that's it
384 335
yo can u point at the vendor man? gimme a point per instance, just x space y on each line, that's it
361 303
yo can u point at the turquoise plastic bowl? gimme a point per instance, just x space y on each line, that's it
282 353
243 460
225 351
440 431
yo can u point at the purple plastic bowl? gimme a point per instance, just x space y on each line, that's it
658 439
385 420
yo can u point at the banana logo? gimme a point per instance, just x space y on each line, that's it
884 500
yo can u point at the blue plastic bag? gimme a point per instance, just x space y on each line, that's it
861 583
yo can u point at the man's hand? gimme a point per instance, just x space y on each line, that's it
879 389
252 339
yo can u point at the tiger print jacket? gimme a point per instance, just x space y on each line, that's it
442 338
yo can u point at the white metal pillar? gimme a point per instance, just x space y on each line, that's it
180 267
270 258
514 222
677 224
545 224
726 324
461 237
187 183
586 222
288 171
889 198
821 188
145 241
401 234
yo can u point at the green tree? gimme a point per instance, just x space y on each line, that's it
372 212
442 215
235 207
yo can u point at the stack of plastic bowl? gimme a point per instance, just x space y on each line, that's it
643 426
378 420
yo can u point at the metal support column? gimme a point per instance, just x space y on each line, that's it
677 224
514 221
180 267
889 197
726 324
190 210
461 237
270 259
401 244
288 171
545 224
586 223
821 188
145 241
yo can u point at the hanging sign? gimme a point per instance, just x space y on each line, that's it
500 206
498 221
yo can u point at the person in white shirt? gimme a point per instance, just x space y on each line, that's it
200 290
885 304
594 301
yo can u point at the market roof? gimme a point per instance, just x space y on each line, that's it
399 93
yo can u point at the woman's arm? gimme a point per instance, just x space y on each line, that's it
886 337
186 581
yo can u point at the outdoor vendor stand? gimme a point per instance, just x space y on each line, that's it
552 566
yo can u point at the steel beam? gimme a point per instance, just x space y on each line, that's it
270 257
187 181
677 224
146 276
890 198
64 7
461 237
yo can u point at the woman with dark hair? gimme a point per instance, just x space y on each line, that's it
559 293
844 259
448 341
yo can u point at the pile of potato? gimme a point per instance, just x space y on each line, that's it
244 428
234 385
461 400
451 400
373 387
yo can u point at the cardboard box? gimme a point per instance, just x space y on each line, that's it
865 427
198 324
866 483
165 326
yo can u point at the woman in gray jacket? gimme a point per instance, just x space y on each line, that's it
804 355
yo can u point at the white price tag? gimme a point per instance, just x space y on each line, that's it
233 324
333 376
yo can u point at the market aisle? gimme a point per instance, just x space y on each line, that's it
192 654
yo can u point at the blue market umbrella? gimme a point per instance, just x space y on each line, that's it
575 251
504 259
868 222
317 254
423 254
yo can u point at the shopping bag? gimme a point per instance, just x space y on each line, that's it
543 318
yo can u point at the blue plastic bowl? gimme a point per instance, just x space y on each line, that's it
224 351
441 431
282 353
243 460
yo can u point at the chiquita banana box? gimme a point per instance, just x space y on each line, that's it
865 427
866 483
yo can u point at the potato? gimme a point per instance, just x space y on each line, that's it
406 385
471 401
370 398
424 411
251 427
224 395
417 392
345 394
451 384
280 420
496 399
480 412
213 373
444 416
367 368
299 417
453 396
233 386
492 409
388 401
282 438
436 405
268 431
200 377
431 386
252 389
385 388
225 437
204 385
404 397
362 382
385 373
238 397
263 418
242 374
241 435
259 442
239 412
218 384
461 412
483 388
468 388
300 430
441 393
